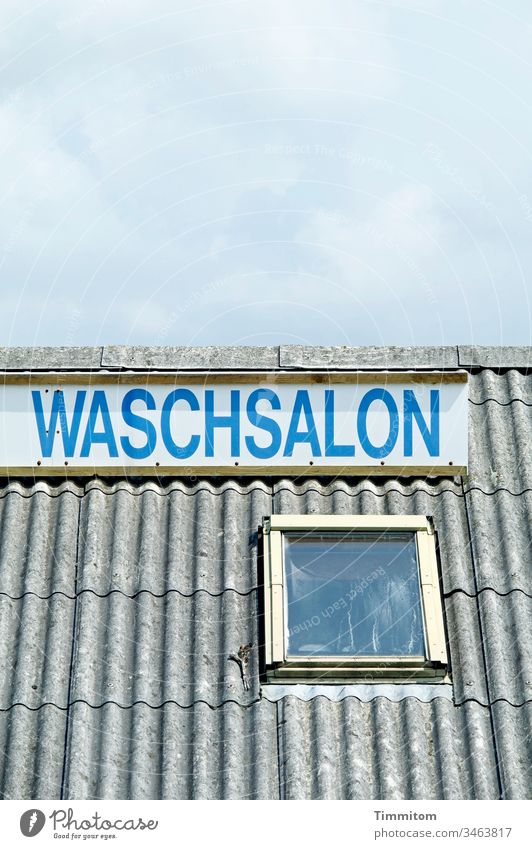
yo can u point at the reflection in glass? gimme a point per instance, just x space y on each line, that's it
353 594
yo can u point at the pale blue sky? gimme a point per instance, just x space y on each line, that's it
324 172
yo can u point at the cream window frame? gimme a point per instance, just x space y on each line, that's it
281 665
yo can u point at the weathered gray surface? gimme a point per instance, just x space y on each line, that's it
176 538
32 747
346 357
384 750
50 359
475 356
506 624
501 536
513 734
499 447
173 753
183 359
512 385
38 540
36 640
173 648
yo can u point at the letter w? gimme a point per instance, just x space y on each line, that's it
69 434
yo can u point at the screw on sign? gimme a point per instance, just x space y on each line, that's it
32 822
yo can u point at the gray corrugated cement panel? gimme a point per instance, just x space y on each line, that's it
501 538
172 753
499 447
386 750
466 656
171 648
157 538
513 736
505 388
38 535
506 623
32 746
174 648
36 640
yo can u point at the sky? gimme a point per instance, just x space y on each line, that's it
174 172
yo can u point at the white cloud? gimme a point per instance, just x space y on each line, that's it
391 241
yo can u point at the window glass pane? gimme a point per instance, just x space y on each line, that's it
353 594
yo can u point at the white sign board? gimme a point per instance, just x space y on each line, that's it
349 426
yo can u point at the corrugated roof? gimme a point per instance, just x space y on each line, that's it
512 385
38 540
386 750
176 537
36 640
32 752
501 538
171 648
513 735
173 753
121 601
499 452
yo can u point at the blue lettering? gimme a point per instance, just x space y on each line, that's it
138 423
185 451
104 437
263 423
371 450
302 405
413 411
332 450
232 421
47 435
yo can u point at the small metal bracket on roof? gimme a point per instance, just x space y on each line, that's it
242 658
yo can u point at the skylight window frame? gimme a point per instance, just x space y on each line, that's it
281 665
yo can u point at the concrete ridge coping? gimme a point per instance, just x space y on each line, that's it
112 358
